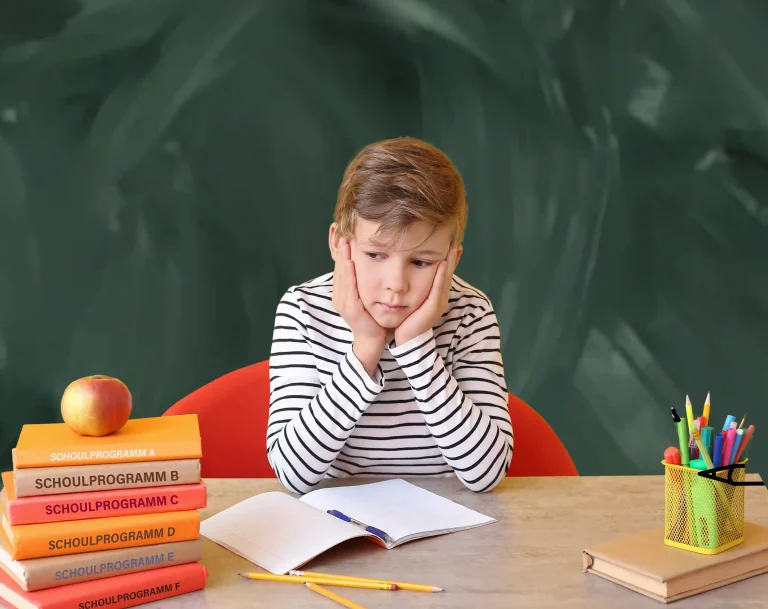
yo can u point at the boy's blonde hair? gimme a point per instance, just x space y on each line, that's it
398 182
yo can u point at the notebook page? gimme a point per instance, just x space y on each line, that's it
276 531
397 507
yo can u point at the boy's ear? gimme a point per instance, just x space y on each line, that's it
333 239
459 251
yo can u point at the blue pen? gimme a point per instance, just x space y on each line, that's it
728 420
717 458
378 532
736 442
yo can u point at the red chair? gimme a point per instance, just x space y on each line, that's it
233 409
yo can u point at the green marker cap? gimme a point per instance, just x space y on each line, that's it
698 464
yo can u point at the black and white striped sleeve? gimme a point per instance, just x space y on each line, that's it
309 420
466 408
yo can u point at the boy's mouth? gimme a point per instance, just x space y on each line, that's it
391 308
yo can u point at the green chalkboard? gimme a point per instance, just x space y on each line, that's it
169 167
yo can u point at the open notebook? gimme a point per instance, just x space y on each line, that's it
279 532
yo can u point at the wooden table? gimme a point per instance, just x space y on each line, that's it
531 557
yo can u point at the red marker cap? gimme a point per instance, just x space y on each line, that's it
672 456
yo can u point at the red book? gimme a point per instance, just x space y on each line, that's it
100 504
114 592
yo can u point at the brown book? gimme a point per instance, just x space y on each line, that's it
645 564
35 481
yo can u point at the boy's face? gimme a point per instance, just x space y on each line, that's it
395 278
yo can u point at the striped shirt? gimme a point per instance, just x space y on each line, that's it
436 406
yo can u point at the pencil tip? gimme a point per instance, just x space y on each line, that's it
707 400
436 589
243 574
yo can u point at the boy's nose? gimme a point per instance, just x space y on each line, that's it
396 281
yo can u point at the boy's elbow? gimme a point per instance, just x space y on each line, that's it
492 479
291 487
297 487
482 486
485 484
292 483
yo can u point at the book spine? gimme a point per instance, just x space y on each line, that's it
104 504
30 458
33 482
42 573
162 438
76 536
132 589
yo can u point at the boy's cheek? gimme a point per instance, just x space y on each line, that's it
419 301
367 294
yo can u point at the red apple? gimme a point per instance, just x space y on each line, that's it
96 405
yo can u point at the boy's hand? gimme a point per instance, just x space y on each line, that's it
368 336
432 309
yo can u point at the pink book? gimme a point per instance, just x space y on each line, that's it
100 504
113 592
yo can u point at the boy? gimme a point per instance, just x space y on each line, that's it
390 365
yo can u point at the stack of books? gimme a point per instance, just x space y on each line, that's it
102 521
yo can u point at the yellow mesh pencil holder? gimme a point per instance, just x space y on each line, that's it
702 514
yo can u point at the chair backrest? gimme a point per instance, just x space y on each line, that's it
538 450
232 411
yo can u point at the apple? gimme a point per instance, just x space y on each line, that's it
96 405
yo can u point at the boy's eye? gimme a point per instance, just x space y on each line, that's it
374 255
422 263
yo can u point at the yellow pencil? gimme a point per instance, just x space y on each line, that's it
400 585
334 597
345 583
689 411
706 411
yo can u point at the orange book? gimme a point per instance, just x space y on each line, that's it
76 536
147 439
116 592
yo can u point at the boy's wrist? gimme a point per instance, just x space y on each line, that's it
418 340
369 353
401 337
